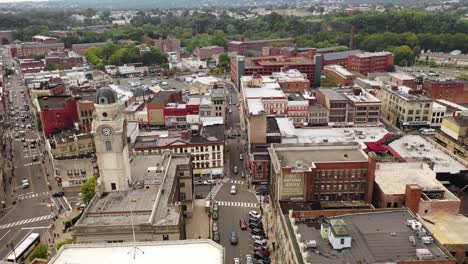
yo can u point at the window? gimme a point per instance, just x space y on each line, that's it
165 237
182 184
342 241
108 146
389 205
113 186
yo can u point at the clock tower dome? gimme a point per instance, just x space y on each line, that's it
109 129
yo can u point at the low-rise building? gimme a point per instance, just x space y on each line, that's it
210 52
27 50
370 62
332 174
453 136
167 44
405 109
356 236
268 90
203 250
57 113
72 156
403 79
206 148
63 59
156 106
438 114
340 74
336 103
412 185
364 108
451 90
292 80
337 57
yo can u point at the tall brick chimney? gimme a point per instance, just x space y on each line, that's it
351 37
413 194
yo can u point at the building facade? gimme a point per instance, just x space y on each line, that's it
453 136
57 113
240 47
370 62
453 91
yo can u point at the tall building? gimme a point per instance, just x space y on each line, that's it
168 44
453 136
370 62
109 128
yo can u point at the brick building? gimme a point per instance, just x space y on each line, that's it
240 47
27 50
85 103
168 44
57 112
30 66
336 103
64 59
453 136
209 52
339 74
326 173
370 62
412 185
403 79
338 57
453 91
156 106
292 80
364 108
265 66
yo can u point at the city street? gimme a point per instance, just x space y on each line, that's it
30 207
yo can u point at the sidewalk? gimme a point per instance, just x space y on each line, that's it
199 224
56 234
268 221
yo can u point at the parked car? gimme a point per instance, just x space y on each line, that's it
264 261
215 215
34 158
257 237
215 227
58 194
216 237
260 255
243 174
234 238
258 225
263 250
241 156
254 214
25 184
260 243
236 261
243 224
235 170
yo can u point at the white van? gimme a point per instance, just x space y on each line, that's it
25 184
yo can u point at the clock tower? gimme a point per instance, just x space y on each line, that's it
109 129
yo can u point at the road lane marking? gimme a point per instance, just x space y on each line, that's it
30 220
4 235
237 204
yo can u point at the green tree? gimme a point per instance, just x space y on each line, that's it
53 67
224 61
463 77
155 56
88 190
38 56
64 242
40 251
403 55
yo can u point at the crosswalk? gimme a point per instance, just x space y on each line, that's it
31 195
27 139
237 204
26 221
32 163
214 191
236 182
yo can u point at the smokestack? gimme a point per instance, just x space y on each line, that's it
351 37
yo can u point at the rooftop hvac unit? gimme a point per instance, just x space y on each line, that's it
423 254
427 240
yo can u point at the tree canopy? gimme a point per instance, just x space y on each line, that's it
88 190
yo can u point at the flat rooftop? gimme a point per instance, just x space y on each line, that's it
289 154
373 54
255 106
377 237
332 94
392 177
340 70
330 134
53 102
339 55
415 147
402 76
449 229
362 98
200 251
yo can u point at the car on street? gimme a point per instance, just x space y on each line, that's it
243 174
33 146
215 226
236 261
230 111
216 237
248 259
25 145
241 156
233 189
235 170
58 194
255 215
259 255
215 207
23 140
243 224
264 261
25 184
215 215
234 238
34 158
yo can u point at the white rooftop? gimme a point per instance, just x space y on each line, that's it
289 75
438 107
269 88
200 251
122 94
290 134
340 69
402 76
414 147
372 54
207 80
255 106
362 98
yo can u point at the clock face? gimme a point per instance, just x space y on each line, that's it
106 131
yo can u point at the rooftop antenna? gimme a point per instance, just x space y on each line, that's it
135 248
